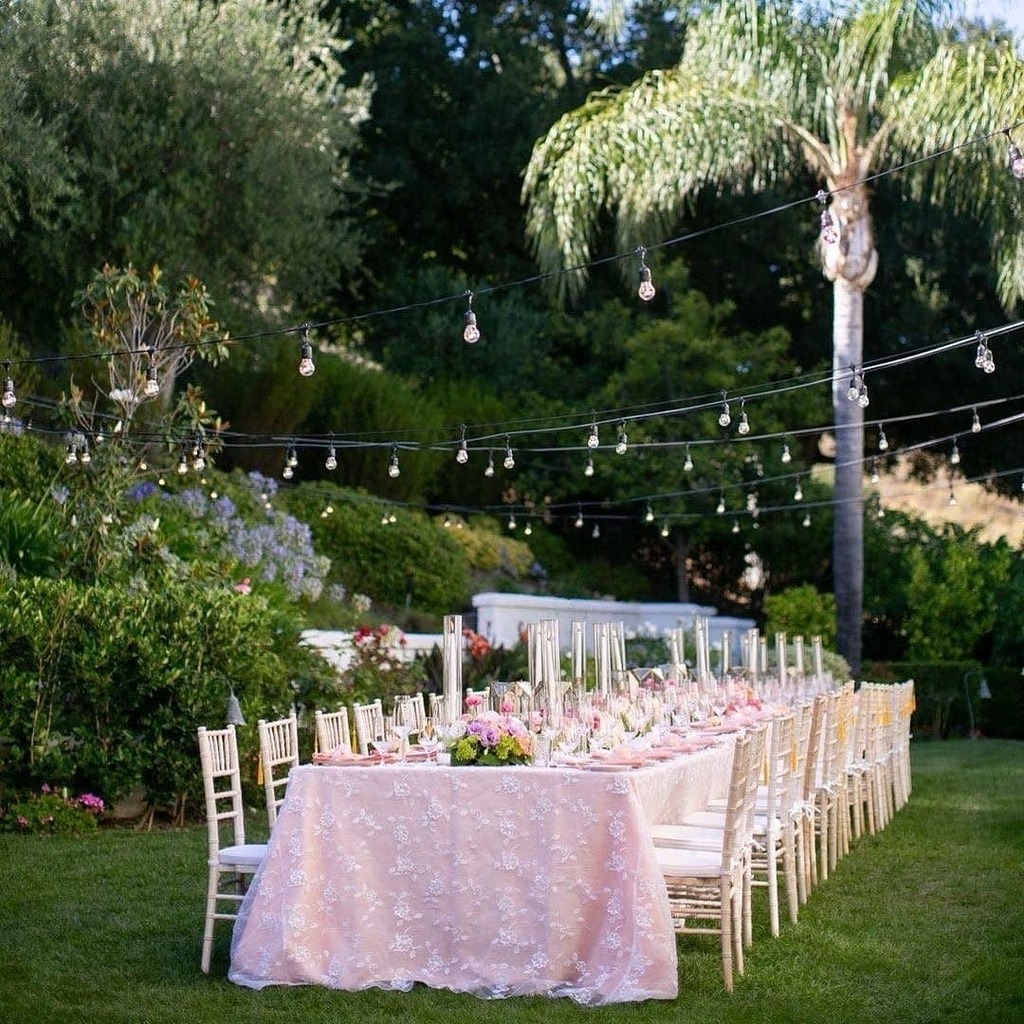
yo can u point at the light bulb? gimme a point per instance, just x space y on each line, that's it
724 418
9 397
982 352
1016 160
646 289
880 514
874 471
735 526
72 455
752 502
306 365
862 396
954 456
829 235
527 530
200 464
588 469
786 456
975 423
152 385
593 439
509 462
85 458
489 469
511 522
687 462
623 441
462 455
798 494
392 517
287 472
720 507
883 441
182 465
143 466
331 462
664 530
292 458
579 520
807 519
952 498
596 532
384 519
853 388
447 524
471 333
649 516
743 427
394 470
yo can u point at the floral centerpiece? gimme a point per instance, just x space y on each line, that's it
491 738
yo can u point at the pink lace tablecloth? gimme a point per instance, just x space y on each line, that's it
494 881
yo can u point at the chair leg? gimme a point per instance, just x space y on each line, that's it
211 920
790 872
727 926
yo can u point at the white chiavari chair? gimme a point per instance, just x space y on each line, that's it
331 730
279 753
230 861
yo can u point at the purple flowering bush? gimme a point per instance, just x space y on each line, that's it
53 812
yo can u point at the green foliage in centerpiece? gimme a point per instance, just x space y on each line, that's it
493 739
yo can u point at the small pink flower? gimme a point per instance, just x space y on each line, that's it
22 821
508 705
243 587
474 700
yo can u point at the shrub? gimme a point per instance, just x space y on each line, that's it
802 611
52 813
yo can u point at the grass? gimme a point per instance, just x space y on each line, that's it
921 923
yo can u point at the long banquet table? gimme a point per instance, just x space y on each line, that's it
494 881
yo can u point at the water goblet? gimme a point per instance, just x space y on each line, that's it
429 740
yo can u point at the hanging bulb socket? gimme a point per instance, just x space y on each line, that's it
579 519
786 455
829 232
182 464
152 386
975 423
489 468
470 332
622 442
509 462
331 462
724 417
743 427
649 515
394 470
883 441
646 289
462 455
688 461
1014 156
720 507
954 455
593 438
588 469
306 365
9 397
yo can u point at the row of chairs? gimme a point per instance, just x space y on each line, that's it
803 786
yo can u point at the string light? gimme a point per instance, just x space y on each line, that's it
664 529
470 333
798 494
984 359
183 464
447 524
1016 160
489 468
85 458
807 519
292 457
743 427
509 462
579 519
646 289
720 507
152 386
331 462
593 438
724 419
71 457
687 462
306 365
512 521
9 398
786 456
954 455
952 496
199 456
853 388
527 530
649 515
588 469
394 470
622 443
462 455
883 441
829 234
596 532
975 422
874 471
735 526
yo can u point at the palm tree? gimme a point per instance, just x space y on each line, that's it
762 92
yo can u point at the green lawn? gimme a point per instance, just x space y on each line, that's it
919 924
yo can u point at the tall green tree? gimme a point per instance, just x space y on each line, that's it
765 93
212 139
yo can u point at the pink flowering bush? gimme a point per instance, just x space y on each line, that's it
491 738
53 812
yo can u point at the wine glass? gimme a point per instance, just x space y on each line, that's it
400 734
382 744
428 738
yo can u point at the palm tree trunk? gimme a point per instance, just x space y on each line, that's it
848 529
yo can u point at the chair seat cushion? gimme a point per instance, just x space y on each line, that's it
688 837
676 863
248 855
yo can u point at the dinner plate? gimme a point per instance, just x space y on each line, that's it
612 766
